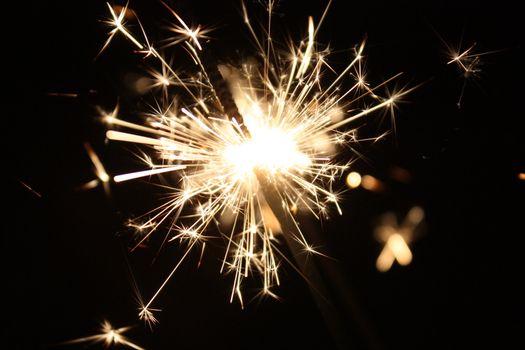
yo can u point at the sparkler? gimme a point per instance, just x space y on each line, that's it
256 160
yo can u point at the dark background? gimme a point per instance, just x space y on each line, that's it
65 254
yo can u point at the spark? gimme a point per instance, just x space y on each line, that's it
139 227
521 176
185 33
147 316
283 129
118 24
396 238
109 336
469 65
161 79
467 60
29 188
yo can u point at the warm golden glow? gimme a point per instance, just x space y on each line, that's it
395 249
399 174
368 182
521 176
269 148
397 238
353 179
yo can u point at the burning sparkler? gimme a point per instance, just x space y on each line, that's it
252 162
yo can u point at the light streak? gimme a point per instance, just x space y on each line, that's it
100 172
63 94
29 188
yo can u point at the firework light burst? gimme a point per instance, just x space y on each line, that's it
289 117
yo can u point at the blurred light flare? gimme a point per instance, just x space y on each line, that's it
109 336
103 178
290 135
353 179
395 249
397 237
371 183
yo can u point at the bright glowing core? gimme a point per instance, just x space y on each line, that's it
268 148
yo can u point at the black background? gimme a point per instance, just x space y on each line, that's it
66 253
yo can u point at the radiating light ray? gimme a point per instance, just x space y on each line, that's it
284 130
109 336
396 238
